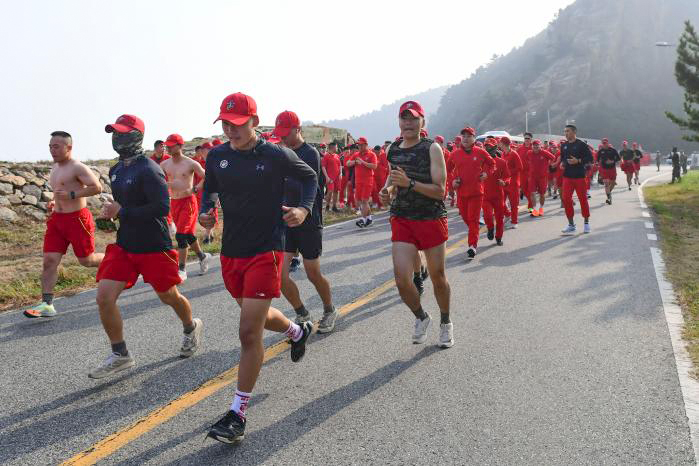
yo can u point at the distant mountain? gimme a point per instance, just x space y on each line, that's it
596 63
382 124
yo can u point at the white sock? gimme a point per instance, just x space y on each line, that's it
240 403
370 218
295 332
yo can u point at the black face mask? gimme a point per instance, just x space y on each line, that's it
128 145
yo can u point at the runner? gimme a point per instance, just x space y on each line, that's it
332 165
523 152
380 175
180 171
347 184
471 166
418 219
638 155
575 156
306 239
539 162
248 175
203 153
494 194
553 170
143 245
159 156
70 222
450 173
607 158
627 156
514 165
364 163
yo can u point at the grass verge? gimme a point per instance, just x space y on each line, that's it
677 210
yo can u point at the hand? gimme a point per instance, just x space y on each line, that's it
502 183
110 210
456 183
49 207
573 161
385 196
483 176
207 220
399 178
294 216
61 195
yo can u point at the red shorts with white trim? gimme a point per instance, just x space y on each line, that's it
184 213
159 269
608 173
362 192
424 234
257 277
627 167
538 184
74 228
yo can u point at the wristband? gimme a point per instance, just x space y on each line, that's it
411 186
72 194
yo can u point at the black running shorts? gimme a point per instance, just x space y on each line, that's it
307 241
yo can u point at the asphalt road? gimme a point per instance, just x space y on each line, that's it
562 356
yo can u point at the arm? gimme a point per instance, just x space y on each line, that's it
518 162
90 182
157 196
299 170
210 191
372 165
198 171
587 158
505 176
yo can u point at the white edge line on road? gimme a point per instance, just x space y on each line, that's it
675 325
652 236
645 214
650 225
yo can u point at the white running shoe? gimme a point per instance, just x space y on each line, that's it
569 230
513 226
41 310
113 364
191 342
421 327
586 228
172 228
204 263
471 252
182 274
446 335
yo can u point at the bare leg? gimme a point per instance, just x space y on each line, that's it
93 260
178 303
107 293
321 284
435 259
49 273
289 288
404 258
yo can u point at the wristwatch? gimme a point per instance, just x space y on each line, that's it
411 186
72 194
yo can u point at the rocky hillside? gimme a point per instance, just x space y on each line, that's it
25 191
596 63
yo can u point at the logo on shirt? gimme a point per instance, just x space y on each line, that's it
113 178
260 167
223 164
475 158
129 181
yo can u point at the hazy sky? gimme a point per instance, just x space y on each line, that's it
75 65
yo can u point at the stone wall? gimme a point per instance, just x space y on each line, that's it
25 190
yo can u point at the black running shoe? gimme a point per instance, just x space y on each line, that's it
360 223
336 210
498 241
555 196
491 234
294 264
298 348
229 429
368 222
424 273
419 284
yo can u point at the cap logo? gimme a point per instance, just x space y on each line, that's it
410 105
223 164
278 122
230 105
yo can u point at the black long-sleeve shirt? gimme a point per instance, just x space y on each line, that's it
250 187
608 157
580 151
293 190
140 189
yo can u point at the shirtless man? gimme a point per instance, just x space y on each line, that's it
70 222
180 171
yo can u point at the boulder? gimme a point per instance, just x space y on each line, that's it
32 190
8 215
94 202
42 205
29 199
4 201
14 199
32 212
14 180
6 188
106 188
47 196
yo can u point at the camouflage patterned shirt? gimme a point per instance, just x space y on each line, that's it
416 162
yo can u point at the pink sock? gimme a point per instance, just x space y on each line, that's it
240 403
295 332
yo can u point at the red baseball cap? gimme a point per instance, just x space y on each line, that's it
207 145
322 146
125 124
469 130
625 142
173 140
217 142
536 142
439 138
458 139
285 122
424 133
362 141
505 140
413 107
237 109
490 142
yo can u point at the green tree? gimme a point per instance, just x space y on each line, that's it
687 74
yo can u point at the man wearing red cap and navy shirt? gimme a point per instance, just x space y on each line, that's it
576 158
248 175
180 172
307 238
471 166
364 163
607 158
418 219
143 245
627 158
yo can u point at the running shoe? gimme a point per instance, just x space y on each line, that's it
513 226
360 223
229 429
336 210
301 318
555 196
182 274
419 284
498 241
569 230
629 188
534 213
586 228
531 209
113 364
41 310
481 222
446 335
294 264
206 240
491 234
471 252
204 263
191 342
589 196
298 348
541 212
421 327
608 201
424 273
368 222
327 322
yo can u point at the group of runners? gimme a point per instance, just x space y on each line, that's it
271 191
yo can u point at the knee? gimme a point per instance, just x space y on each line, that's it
404 282
170 297
249 336
51 262
439 279
184 240
85 261
314 275
105 298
